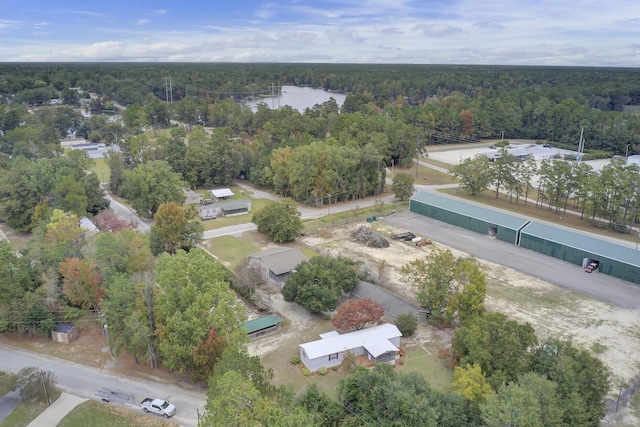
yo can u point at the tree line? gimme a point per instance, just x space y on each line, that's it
466 102
610 196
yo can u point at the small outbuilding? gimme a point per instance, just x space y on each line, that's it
378 344
221 194
64 332
275 264
263 326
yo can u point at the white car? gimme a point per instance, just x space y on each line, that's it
158 406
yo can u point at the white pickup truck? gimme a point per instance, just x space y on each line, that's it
158 406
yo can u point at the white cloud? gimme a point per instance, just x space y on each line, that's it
545 32
437 30
344 35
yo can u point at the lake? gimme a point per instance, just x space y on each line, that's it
299 98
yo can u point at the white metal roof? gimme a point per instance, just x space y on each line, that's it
222 192
374 339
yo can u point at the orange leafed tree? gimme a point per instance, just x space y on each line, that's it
81 283
207 353
356 314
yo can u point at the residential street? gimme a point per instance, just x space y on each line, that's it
85 381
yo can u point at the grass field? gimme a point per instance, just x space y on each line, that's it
98 414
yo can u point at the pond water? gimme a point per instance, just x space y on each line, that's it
299 98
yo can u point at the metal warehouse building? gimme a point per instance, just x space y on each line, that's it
482 220
576 248
573 247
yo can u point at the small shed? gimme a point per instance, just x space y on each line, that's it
64 332
263 326
221 194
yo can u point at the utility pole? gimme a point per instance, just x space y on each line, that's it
44 385
626 154
580 145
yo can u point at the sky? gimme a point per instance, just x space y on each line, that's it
496 32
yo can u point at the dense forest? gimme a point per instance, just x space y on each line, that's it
447 103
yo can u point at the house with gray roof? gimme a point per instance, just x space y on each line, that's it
275 264
379 344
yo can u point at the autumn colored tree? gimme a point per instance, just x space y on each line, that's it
81 283
172 229
469 382
207 353
59 239
357 313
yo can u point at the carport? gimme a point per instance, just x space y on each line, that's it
501 225
577 248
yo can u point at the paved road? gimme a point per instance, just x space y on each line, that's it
127 214
85 381
569 276
8 402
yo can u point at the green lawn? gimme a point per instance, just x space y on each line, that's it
425 360
231 250
27 411
98 414
101 168
7 382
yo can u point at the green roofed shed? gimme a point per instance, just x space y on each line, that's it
470 216
262 326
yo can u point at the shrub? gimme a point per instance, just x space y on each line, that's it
322 370
295 360
305 372
407 324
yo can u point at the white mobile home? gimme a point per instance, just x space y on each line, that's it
379 344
